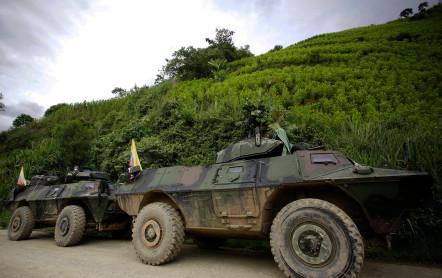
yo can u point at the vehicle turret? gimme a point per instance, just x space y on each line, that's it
249 149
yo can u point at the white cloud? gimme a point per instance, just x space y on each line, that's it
5 122
23 107
122 44
14 109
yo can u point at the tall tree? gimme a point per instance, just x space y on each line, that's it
119 92
422 7
51 110
22 120
276 48
222 46
223 36
406 13
189 63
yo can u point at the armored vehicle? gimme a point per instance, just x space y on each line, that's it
84 202
315 206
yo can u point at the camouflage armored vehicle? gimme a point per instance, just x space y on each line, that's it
84 202
314 206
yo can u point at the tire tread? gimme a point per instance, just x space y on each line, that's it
354 235
78 223
28 222
177 234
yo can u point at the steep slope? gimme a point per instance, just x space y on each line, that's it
364 91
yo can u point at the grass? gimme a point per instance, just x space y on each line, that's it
425 250
364 91
4 218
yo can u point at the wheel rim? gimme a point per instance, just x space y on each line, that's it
312 244
151 232
64 226
16 224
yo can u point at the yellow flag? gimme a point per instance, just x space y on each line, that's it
134 160
21 178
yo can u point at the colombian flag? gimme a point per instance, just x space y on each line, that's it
21 179
134 160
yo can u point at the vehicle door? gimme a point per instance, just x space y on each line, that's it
234 198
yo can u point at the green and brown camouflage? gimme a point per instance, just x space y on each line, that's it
91 190
240 195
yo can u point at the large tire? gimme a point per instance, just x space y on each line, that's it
209 242
70 226
158 234
21 224
314 238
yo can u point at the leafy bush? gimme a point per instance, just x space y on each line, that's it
190 63
22 120
75 141
365 97
54 108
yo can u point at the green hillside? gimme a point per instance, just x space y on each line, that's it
363 91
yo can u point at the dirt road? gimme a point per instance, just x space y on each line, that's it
96 257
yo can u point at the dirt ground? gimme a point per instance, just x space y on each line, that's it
98 257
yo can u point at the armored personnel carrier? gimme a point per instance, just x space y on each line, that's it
315 206
84 202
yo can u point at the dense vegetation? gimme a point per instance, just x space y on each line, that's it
189 63
22 120
364 91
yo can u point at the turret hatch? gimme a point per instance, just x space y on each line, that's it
247 149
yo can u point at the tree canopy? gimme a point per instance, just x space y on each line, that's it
119 92
22 120
422 6
54 108
406 13
276 48
75 141
188 63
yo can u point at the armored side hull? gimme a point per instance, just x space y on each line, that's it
47 201
314 206
241 198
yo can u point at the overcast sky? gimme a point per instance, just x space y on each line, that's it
54 51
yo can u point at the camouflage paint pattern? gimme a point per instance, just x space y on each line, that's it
47 201
240 195
246 148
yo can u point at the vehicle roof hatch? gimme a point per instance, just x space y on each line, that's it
248 148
